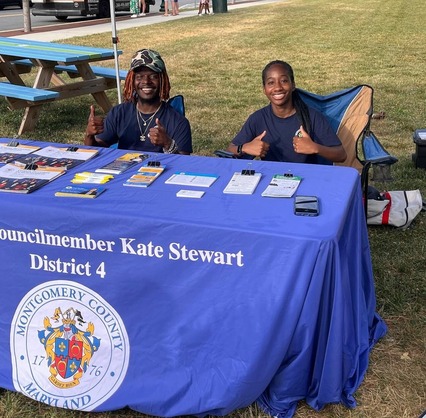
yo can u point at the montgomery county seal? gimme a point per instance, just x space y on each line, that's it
69 347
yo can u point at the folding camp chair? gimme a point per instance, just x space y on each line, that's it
349 113
178 103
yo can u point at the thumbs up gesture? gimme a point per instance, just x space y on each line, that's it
303 144
158 135
257 146
95 124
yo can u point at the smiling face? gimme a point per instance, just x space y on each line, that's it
147 85
278 85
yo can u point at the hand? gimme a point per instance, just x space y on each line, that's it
257 147
158 135
95 124
303 144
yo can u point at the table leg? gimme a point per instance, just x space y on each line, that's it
10 72
57 80
29 119
44 75
32 113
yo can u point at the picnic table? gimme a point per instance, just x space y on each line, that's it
51 61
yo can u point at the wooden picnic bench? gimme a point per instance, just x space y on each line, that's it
72 70
29 94
51 60
98 71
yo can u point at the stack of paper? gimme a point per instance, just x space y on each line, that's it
55 157
243 183
12 150
20 180
282 186
192 179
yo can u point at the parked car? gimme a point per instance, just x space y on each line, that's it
4 3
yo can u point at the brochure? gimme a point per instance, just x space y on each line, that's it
282 186
123 163
192 179
243 183
55 157
12 150
145 176
20 180
80 191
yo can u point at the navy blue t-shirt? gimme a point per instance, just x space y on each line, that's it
121 126
280 133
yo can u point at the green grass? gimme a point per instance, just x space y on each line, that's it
216 64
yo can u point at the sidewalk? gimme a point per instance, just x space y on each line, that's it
126 23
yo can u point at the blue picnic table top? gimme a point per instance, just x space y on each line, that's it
63 53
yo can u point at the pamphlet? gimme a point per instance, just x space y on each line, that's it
145 176
20 180
123 163
243 183
12 150
192 179
282 186
88 177
80 191
55 157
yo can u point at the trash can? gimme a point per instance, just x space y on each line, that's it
419 138
220 6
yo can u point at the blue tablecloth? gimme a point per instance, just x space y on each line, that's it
176 306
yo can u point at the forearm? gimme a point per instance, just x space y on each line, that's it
170 146
232 148
237 150
90 140
335 154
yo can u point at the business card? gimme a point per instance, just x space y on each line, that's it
194 194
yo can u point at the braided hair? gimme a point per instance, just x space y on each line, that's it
302 111
129 93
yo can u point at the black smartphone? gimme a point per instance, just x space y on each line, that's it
306 205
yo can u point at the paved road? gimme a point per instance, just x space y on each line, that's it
88 27
12 19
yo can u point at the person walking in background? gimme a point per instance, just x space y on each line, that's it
204 5
166 7
143 3
134 8
175 7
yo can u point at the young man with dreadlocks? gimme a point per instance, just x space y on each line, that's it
286 129
144 121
